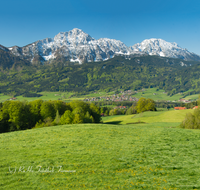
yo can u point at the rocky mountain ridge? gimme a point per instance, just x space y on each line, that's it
78 46
162 48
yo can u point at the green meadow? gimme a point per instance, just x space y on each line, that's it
195 96
151 155
172 116
160 95
4 97
45 96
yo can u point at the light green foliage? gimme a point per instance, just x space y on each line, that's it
191 121
17 114
141 105
60 106
78 118
116 112
188 122
145 105
66 118
131 111
78 113
57 118
79 104
88 118
111 112
78 110
47 110
35 107
197 118
48 122
150 105
106 113
4 114
95 113
39 124
102 110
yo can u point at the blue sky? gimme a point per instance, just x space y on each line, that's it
131 21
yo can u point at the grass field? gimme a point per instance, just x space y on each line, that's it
195 96
4 97
45 96
149 117
161 95
102 156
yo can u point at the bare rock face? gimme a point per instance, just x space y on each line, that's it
38 59
77 46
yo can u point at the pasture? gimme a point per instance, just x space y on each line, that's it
153 155
161 95
45 96
171 116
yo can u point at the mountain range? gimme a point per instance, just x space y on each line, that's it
78 46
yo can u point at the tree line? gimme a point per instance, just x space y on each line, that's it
134 107
18 115
21 115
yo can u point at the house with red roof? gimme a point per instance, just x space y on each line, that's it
180 108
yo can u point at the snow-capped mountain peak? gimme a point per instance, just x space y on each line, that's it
75 37
76 45
162 48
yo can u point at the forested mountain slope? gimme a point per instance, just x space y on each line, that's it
172 75
8 60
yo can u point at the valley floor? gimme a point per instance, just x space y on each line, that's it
151 93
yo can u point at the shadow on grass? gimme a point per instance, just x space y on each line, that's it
113 122
136 122
118 122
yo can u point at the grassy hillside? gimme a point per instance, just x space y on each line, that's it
176 116
162 95
101 156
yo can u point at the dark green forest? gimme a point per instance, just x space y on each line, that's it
18 77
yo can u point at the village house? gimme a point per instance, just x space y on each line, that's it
12 98
120 107
184 100
180 108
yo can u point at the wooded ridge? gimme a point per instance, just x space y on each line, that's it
19 77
